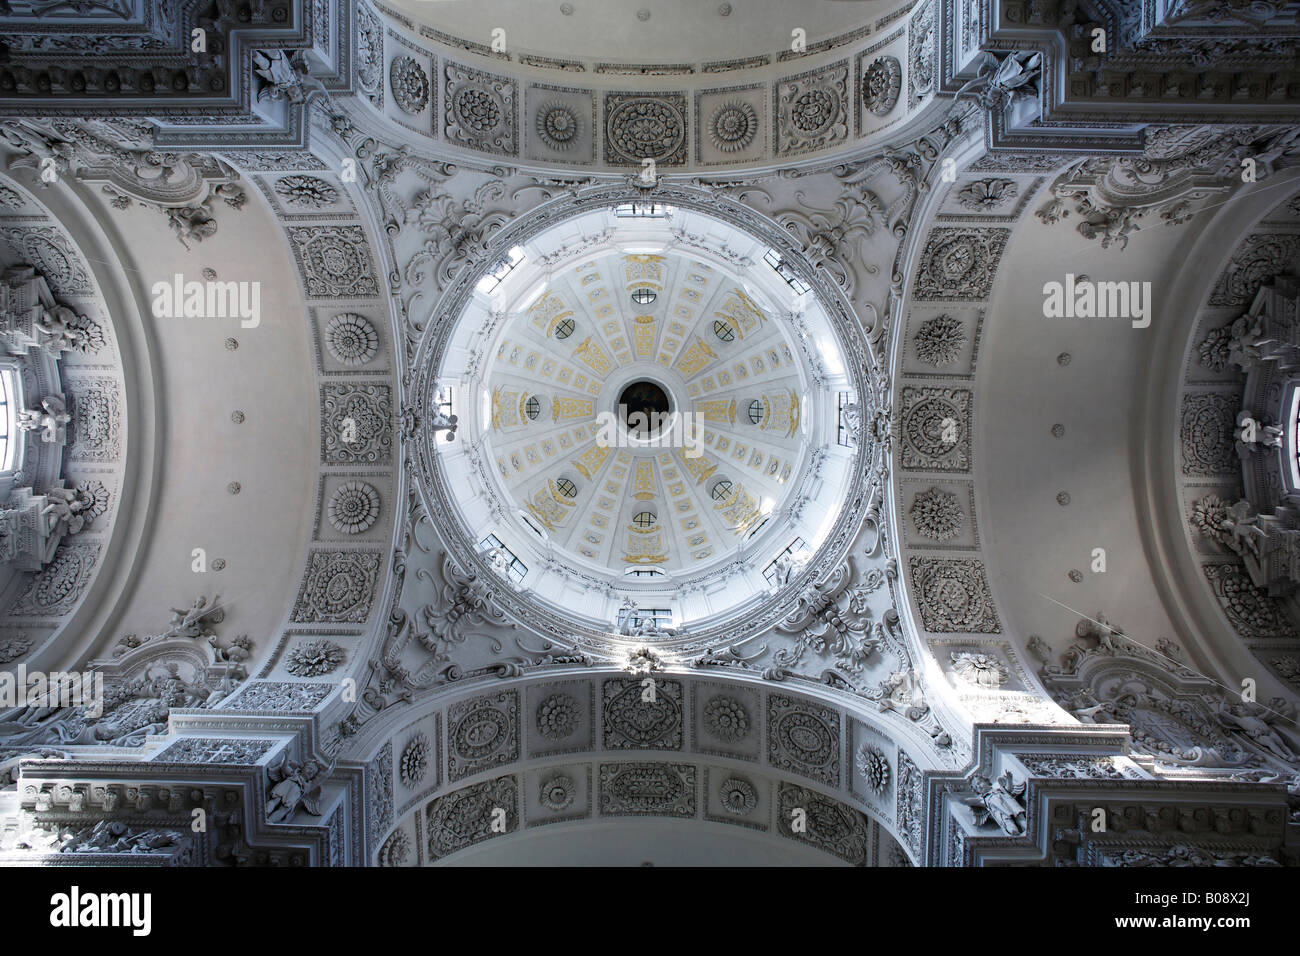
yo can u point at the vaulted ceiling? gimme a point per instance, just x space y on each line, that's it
339 317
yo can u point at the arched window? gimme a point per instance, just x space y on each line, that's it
756 411
8 418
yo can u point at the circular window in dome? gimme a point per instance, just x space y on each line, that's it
644 296
563 328
755 411
567 488
721 490
644 519
723 331
532 408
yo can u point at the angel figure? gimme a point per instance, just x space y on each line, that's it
1242 522
285 75
998 801
66 506
439 421
1249 719
626 627
58 326
190 622
784 570
651 628
294 785
852 416
52 419
499 561
999 82
192 223
1244 346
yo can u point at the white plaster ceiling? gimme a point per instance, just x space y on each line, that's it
1048 501
654 842
675 31
261 533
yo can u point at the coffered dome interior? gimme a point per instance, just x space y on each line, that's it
676 314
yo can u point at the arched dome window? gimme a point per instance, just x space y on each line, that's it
8 419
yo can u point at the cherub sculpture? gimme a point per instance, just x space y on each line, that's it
192 622
52 419
998 801
66 507
1250 719
999 82
294 785
60 329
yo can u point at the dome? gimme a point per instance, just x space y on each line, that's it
672 32
649 407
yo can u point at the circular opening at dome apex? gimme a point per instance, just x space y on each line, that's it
643 407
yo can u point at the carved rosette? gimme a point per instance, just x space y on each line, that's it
881 85
640 127
480 110
812 110
409 85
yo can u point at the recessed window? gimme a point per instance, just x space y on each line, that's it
721 490
785 271
7 416
516 568
567 488
644 573
841 429
642 210
503 268
660 616
531 525
532 408
644 519
756 411
775 568
563 328
644 296
723 331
